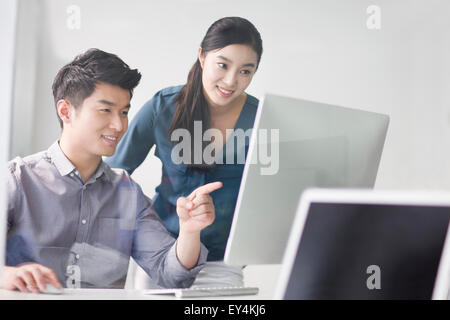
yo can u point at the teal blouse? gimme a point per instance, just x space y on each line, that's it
149 128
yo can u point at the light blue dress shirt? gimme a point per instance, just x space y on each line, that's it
60 221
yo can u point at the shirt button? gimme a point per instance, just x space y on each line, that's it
77 257
71 174
83 221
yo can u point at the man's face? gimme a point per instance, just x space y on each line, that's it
96 126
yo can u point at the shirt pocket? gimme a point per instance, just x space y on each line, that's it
114 233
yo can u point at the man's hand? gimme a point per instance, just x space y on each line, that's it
29 277
196 212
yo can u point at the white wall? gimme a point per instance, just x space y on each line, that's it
8 15
318 50
25 77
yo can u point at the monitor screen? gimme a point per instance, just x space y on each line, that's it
362 251
317 145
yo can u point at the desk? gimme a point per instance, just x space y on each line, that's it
262 276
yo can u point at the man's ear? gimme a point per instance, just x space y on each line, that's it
64 109
201 58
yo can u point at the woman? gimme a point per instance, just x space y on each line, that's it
213 98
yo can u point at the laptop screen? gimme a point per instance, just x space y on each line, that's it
368 251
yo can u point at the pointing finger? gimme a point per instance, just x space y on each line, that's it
206 189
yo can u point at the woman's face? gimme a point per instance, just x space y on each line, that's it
226 73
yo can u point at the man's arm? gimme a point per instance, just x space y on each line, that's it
195 213
169 262
30 277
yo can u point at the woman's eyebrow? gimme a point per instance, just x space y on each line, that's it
244 65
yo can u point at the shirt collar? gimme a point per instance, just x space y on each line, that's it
60 161
105 170
65 167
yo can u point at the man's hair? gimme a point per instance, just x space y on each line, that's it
76 81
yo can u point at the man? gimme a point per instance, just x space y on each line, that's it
71 218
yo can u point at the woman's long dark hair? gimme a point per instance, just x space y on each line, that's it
191 103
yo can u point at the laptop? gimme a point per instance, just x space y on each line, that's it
318 145
367 244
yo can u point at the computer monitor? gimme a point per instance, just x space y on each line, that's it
7 36
319 145
368 244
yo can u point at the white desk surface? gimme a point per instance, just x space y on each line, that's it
107 294
262 276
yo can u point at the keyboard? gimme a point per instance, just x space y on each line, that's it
205 292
